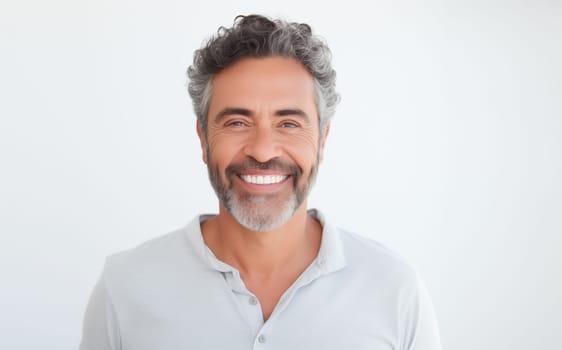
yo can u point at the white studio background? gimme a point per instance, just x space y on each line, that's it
447 148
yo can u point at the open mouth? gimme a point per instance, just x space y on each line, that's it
263 179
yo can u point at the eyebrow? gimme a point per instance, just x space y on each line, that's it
248 113
294 111
232 111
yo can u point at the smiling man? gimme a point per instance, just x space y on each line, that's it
265 272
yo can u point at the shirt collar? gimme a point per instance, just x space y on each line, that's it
330 256
195 238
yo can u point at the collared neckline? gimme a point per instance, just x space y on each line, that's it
330 256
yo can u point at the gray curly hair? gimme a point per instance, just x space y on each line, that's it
257 36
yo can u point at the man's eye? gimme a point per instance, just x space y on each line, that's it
289 125
236 123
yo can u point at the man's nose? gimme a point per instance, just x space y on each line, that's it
263 145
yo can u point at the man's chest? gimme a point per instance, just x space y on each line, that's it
216 317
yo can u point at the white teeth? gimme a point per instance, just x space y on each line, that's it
263 180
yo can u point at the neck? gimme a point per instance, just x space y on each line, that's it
291 247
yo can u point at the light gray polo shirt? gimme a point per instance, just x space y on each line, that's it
172 293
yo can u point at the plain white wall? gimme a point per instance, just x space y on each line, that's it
447 148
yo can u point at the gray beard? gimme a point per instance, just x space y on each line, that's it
255 212
260 213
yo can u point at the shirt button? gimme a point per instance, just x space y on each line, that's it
253 300
262 338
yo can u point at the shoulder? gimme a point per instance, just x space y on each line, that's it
160 266
368 248
364 257
153 248
174 248
162 257
367 256
150 255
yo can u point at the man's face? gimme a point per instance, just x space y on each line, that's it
263 146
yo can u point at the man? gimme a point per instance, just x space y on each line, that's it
264 272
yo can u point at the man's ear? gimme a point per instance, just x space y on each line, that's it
324 136
202 141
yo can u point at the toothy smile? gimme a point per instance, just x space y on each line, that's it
263 179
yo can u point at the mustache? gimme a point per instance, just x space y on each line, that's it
273 164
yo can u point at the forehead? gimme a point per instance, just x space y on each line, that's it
271 82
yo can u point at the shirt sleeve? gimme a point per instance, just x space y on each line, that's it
418 320
100 328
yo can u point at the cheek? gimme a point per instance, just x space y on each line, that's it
221 149
305 154
304 146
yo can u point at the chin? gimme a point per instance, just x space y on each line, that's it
260 215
